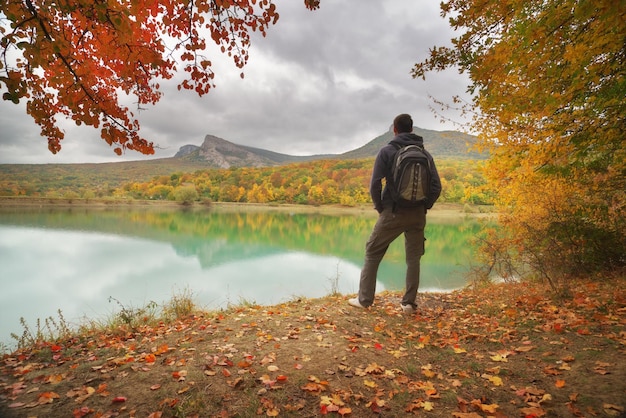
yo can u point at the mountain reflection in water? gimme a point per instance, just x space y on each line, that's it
75 260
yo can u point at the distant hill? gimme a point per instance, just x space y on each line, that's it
441 144
219 153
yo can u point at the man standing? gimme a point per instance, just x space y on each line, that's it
394 219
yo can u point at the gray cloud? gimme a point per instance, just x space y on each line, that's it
321 82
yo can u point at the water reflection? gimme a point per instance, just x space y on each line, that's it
75 260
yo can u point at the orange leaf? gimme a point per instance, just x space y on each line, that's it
560 383
47 397
162 349
533 411
243 364
102 389
55 379
180 375
344 411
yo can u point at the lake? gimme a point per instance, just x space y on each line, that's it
76 259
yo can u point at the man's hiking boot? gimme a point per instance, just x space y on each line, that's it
355 302
408 309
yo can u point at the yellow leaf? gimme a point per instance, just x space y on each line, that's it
337 400
491 408
496 380
370 383
428 406
374 368
611 409
546 397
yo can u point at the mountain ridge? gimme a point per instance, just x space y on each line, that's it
219 153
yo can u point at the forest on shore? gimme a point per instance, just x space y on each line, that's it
322 182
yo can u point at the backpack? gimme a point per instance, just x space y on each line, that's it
410 175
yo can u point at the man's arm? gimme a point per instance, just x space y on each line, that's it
435 186
376 184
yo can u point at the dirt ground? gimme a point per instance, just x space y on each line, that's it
507 350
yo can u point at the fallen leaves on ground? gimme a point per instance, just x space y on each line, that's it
493 351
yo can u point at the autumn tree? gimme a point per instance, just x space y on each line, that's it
186 194
82 59
548 90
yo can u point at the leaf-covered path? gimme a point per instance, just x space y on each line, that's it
502 350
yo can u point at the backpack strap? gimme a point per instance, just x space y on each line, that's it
398 147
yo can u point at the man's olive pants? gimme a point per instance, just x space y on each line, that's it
390 224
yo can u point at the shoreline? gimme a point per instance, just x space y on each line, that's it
440 210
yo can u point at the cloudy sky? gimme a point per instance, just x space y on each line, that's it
326 81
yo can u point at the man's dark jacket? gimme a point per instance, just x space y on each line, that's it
382 169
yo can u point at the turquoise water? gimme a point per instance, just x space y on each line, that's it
76 260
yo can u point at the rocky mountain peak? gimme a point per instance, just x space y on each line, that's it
220 153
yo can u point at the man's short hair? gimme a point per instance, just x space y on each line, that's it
403 123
